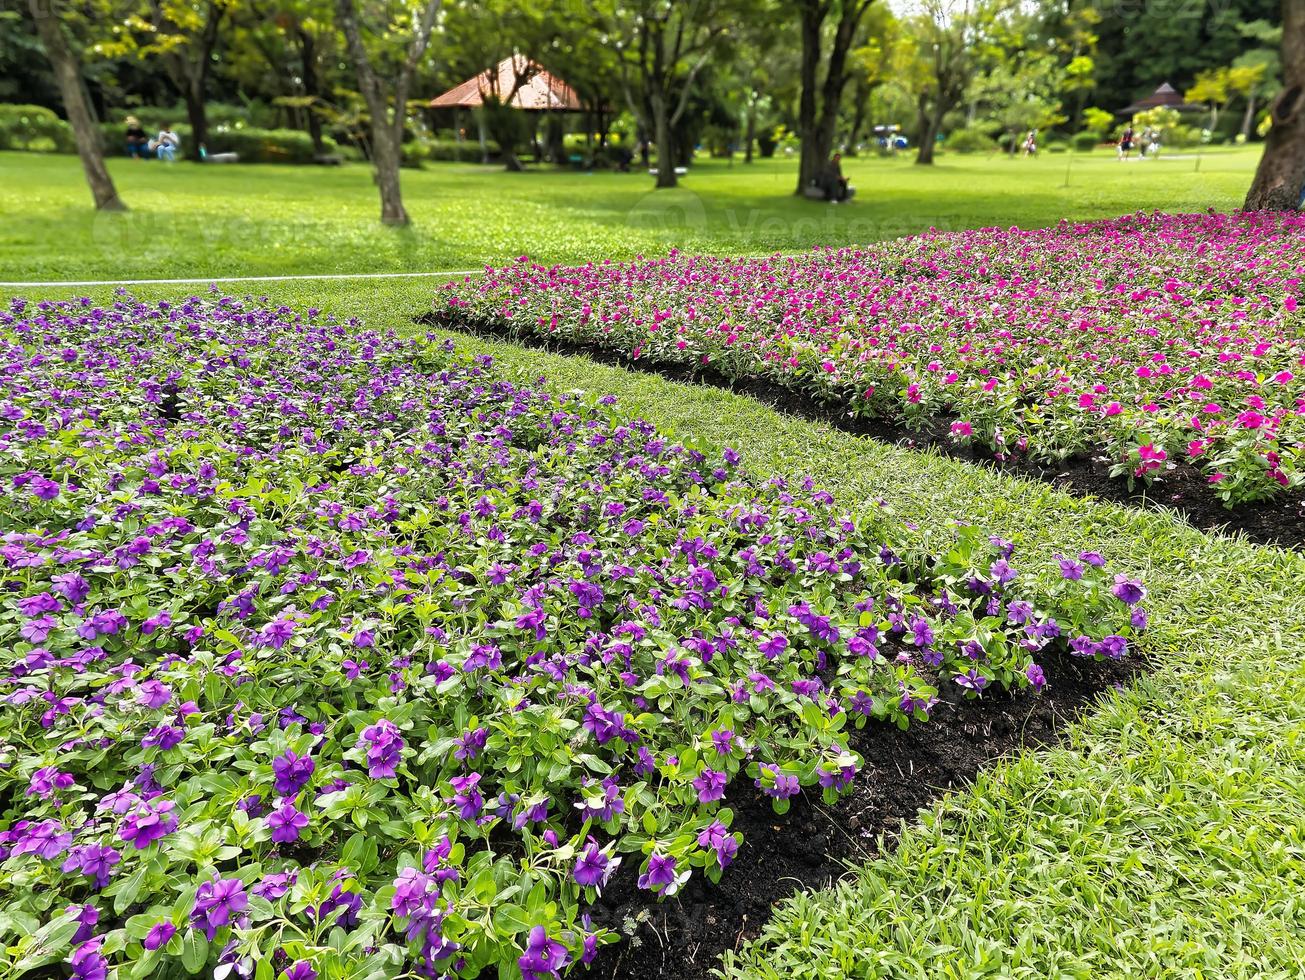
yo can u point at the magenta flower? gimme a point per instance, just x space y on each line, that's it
594 867
710 785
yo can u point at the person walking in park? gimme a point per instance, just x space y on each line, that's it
137 142
167 143
1126 143
1031 143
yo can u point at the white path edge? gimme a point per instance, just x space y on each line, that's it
206 280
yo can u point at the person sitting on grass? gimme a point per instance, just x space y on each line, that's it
137 141
832 181
166 143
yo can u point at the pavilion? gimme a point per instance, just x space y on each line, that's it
1165 97
533 88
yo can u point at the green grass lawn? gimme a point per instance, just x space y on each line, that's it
1166 838
190 220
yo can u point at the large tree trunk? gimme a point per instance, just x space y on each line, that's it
86 134
312 88
858 120
1281 173
197 116
387 151
809 160
665 140
930 122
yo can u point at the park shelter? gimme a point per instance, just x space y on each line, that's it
1165 97
535 88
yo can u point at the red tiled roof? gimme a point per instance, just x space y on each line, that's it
540 92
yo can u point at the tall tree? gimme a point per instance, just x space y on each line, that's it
1281 173
664 45
820 98
67 72
184 34
414 27
947 36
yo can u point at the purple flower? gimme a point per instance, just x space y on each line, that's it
466 797
774 646
286 823
710 785
470 744
299 970
291 773
1093 558
776 784
94 861
722 741
971 680
1001 571
384 749
1138 618
594 866
216 903
544 958
1036 677
159 935
1128 591
660 877
44 488
47 781
87 962
1070 569
147 823
717 837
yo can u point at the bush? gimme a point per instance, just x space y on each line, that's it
418 151
34 127
1085 142
970 140
1058 146
252 145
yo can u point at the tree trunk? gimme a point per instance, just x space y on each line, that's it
86 134
386 154
1249 116
929 125
1281 173
665 140
312 89
750 136
858 120
197 116
809 163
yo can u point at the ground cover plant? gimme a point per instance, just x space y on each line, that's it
1153 339
332 653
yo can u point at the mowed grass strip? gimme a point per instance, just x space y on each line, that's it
189 220
1166 837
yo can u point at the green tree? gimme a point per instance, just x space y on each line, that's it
68 74
376 33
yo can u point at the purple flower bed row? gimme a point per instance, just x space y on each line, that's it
325 653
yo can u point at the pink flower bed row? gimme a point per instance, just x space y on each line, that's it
1153 339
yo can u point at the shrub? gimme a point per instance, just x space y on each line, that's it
34 127
252 145
970 140
1085 142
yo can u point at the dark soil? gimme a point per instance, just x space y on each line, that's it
1183 489
813 844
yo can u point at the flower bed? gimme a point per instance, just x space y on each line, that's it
1152 339
327 653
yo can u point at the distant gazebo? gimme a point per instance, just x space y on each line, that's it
532 87
1165 97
